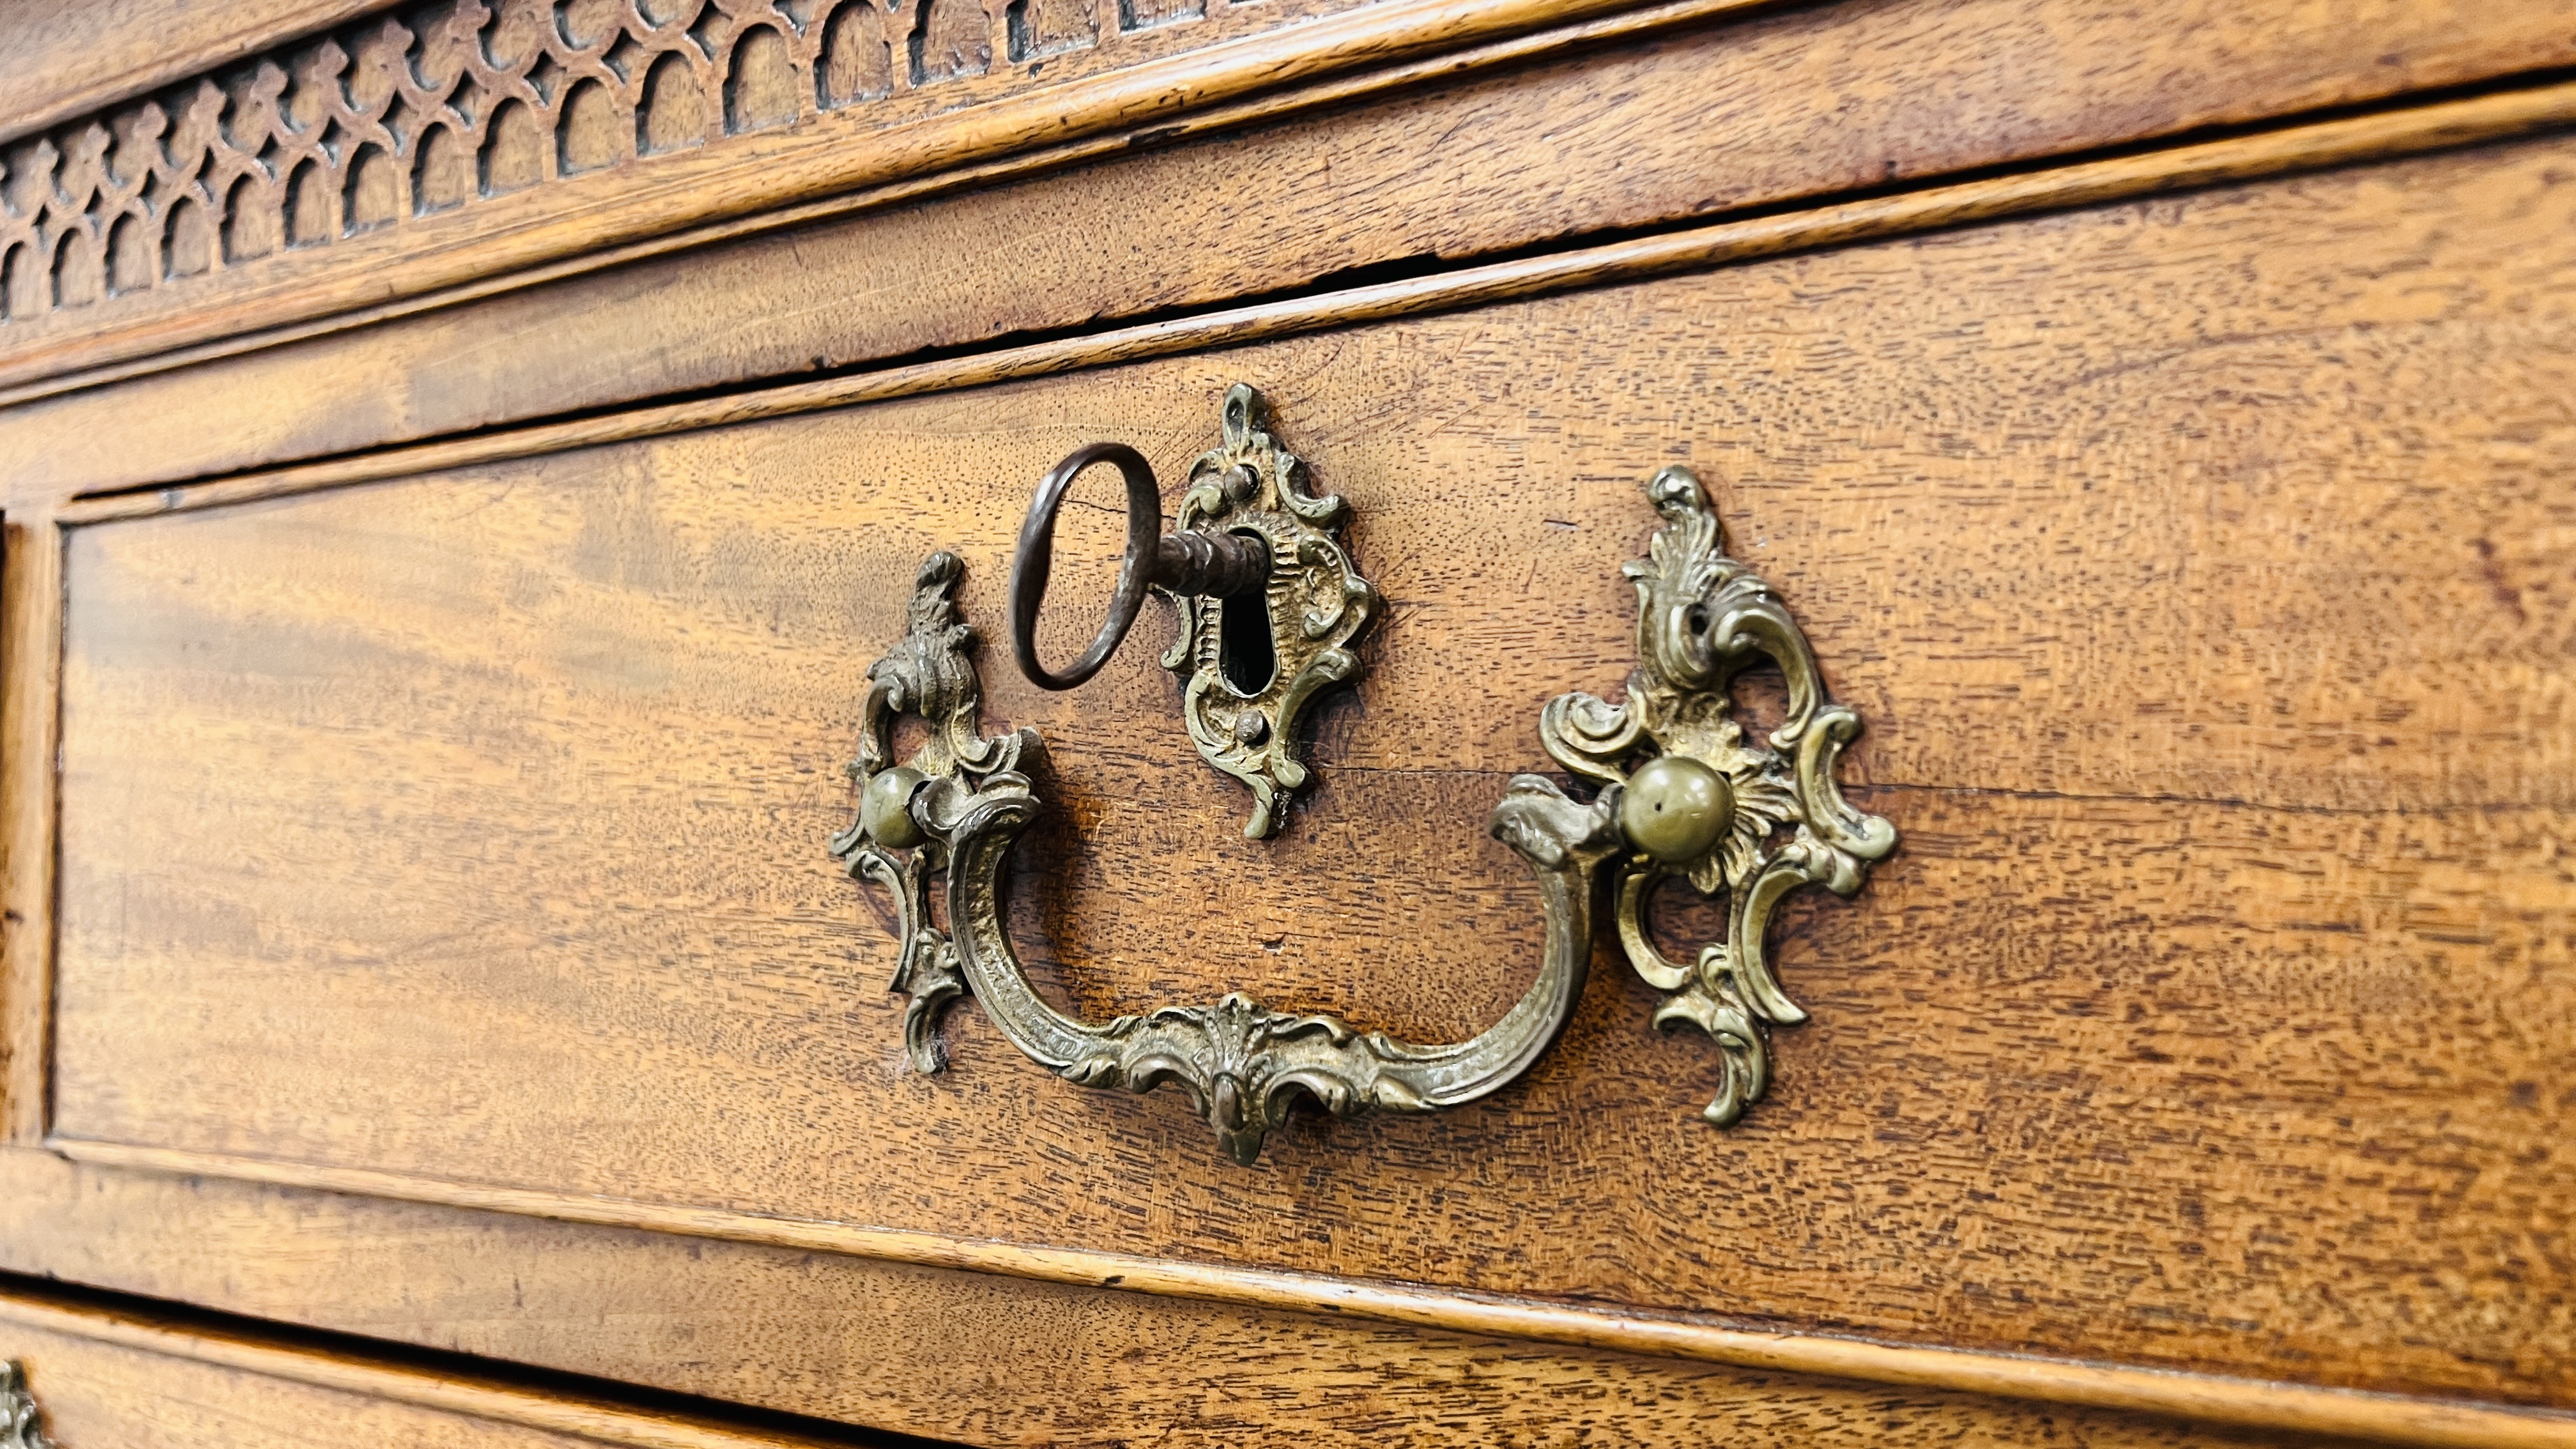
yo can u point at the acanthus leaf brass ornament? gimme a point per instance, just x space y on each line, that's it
1701 800
21 1424
956 808
1248 536
925 674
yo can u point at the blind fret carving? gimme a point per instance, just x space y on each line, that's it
423 110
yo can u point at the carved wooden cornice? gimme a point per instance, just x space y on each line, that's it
433 144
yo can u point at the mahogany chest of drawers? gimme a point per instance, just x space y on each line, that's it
1848 723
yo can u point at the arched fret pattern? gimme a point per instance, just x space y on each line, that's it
430 108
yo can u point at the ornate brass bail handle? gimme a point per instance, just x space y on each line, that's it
958 805
1683 790
1248 537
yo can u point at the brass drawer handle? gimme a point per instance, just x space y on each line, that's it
1682 791
962 800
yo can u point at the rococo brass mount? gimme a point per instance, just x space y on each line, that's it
1682 790
21 1425
1269 602
1703 801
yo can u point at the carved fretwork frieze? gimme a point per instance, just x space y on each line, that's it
411 117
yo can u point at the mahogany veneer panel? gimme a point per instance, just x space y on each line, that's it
2210 627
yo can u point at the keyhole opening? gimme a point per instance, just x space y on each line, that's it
1245 652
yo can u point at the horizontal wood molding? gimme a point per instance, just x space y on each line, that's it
737 184
850 1340
1603 127
731 172
2206 1398
171 1337
1231 115
2386 135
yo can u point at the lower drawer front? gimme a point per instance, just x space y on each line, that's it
2198 566
90 1378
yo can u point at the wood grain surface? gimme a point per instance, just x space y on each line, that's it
31 630
58 60
2207 626
138 1376
2491 118
476 228
1718 119
386 127
2229 1401
965 1356
104 1394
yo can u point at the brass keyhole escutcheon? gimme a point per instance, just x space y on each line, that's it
1269 601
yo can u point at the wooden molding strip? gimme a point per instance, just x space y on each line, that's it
472 1398
841 151
2249 1403
2379 136
1264 107
31 617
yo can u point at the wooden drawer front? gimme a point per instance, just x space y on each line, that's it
101 1379
2198 565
